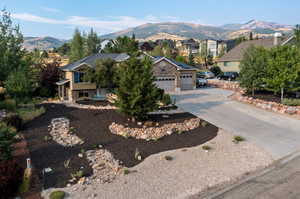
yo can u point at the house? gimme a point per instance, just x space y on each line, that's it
170 76
212 47
231 61
146 46
72 85
187 47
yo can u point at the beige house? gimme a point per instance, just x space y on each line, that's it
170 76
230 62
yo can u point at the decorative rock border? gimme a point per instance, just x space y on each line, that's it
83 106
153 133
271 106
238 96
105 167
228 85
61 133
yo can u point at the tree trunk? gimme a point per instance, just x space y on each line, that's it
282 94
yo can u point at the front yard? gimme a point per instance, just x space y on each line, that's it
60 166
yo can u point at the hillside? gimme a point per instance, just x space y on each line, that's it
42 43
170 30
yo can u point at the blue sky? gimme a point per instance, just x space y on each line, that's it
59 18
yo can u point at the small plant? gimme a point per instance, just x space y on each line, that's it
57 195
179 132
8 104
237 139
7 139
77 174
126 171
206 147
72 130
14 120
169 158
204 123
67 163
30 113
137 154
125 135
291 102
82 151
47 138
155 139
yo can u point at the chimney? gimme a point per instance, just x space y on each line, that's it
277 35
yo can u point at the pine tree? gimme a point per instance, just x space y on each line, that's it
137 93
92 43
11 50
191 59
297 35
77 47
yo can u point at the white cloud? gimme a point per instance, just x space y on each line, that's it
107 25
50 9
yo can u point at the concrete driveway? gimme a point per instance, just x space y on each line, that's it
277 134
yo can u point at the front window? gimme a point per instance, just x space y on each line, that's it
78 77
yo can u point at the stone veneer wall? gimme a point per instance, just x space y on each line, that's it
266 105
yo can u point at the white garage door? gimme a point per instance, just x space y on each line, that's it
186 81
166 83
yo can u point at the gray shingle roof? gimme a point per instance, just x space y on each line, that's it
237 53
179 65
90 60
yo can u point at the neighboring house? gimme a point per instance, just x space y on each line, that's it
187 47
170 76
146 46
231 61
213 47
72 86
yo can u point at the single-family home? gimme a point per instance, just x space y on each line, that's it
170 76
231 60
187 47
212 47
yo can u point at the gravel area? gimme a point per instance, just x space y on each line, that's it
191 171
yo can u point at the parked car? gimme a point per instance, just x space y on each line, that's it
228 76
206 74
201 82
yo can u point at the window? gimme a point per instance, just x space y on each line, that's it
83 94
226 63
78 77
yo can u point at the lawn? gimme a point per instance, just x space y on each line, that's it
92 127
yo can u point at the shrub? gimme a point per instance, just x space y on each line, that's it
206 147
166 100
7 139
216 70
291 102
237 139
8 104
126 171
204 123
169 158
28 114
10 178
57 195
77 174
14 120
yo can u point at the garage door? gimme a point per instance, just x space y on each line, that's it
166 83
186 81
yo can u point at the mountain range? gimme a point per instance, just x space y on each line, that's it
177 31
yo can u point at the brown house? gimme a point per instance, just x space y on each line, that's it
170 76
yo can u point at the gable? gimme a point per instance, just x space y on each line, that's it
164 68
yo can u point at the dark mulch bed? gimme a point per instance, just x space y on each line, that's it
270 96
94 103
92 127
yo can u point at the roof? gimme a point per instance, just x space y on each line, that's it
237 53
179 65
90 60
63 81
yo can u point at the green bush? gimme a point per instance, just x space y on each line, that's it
8 104
237 139
14 120
28 114
7 139
166 100
57 195
291 102
216 70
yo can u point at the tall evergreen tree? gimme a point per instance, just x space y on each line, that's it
253 68
92 43
123 45
11 52
137 93
77 47
297 35
191 59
